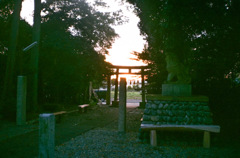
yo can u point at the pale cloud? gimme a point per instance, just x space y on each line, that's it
27 11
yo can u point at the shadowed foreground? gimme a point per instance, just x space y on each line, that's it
94 134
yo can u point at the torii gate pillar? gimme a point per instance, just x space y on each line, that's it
142 104
108 98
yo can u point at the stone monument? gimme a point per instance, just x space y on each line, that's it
178 79
176 105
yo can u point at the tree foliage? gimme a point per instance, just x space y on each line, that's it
10 17
204 35
74 38
72 52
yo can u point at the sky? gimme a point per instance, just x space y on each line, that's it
130 39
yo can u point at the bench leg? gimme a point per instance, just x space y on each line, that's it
153 137
206 139
57 118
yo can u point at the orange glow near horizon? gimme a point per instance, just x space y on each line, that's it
120 54
123 47
128 77
129 39
128 42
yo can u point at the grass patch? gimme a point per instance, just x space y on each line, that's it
134 95
130 95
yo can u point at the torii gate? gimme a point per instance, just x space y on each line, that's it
117 68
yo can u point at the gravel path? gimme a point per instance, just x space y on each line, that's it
94 134
25 144
106 142
111 144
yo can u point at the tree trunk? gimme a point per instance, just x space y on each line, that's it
33 78
8 87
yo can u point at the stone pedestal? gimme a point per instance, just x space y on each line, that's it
174 110
176 90
176 107
122 106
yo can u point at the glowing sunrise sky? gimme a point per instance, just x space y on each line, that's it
129 40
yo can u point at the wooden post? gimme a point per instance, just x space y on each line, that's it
108 98
90 90
46 135
206 139
21 100
153 137
116 89
122 106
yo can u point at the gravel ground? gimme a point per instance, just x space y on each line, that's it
105 143
22 141
108 142
94 134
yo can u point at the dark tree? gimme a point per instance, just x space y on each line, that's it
33 76
74 38
203 34
8 88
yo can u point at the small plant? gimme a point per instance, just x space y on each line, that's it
92 103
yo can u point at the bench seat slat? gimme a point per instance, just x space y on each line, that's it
83 106
210 128
59 113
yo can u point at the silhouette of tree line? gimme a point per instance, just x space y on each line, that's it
73 40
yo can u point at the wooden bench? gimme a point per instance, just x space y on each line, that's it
205 128
83 108
59 115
